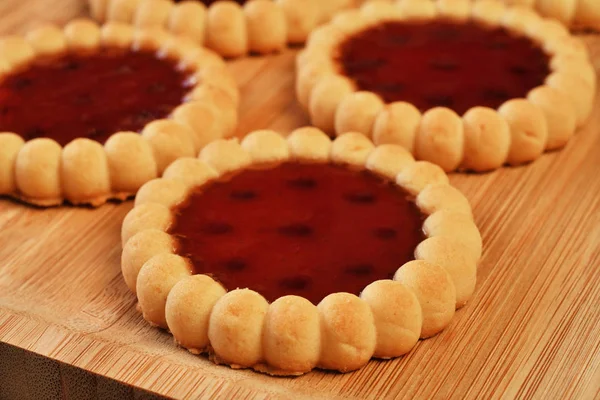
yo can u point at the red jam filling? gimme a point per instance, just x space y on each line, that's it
443 64
307 230
90 95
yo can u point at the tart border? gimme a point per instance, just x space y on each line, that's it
232 30
206 318
43 173
518 132
575 13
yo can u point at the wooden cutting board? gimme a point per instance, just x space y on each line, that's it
532 329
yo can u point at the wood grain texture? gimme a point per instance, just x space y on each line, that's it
532 329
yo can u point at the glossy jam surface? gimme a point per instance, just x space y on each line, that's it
91 96
307 230
443 64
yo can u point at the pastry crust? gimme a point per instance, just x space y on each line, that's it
169 140
205 119
235 329
307 79
291 346
140 248
397 332
239 327
357 113
47 40
43 173
441 196
351 149
150 39
167 192
262 26
416 176
266 148
121 10
266 25
225 156
216 77
440 138
455 259
37 172
488 12
82 35
348 336
574 87
388 160
309 144
225 105
146 216
16 52
329 9
84 171
528 130
152 13
378 10
130 161
199 293
190 171
117 35
520 19
437 307
226 31
418 10
458 226
576 13
188 18
154 282
479 140
454 10
559 112
325 99
561 10
301 18
349 21
487 139
397 124
10 146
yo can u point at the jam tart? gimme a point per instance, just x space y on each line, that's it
91 113
285 255
469 86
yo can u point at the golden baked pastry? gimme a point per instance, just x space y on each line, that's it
73 101
464 85
575 13
288 255
231 28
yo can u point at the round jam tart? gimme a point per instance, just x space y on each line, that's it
469 86
90 113
288 255
231 28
